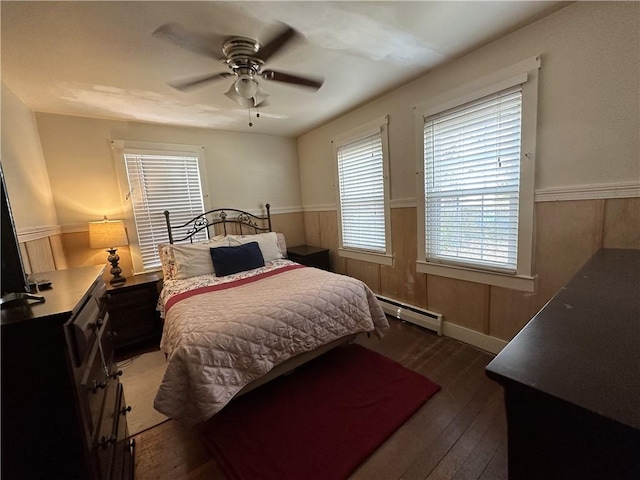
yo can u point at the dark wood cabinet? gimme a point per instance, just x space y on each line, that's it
63 406
571 378
310 256
132 308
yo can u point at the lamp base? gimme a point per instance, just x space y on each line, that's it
117 280
113 259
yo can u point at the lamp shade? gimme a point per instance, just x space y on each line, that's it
107 234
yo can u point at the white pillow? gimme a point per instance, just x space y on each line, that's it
193 259
268 243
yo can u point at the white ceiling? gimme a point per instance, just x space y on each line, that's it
99 59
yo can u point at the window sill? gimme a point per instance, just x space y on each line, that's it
515 282
381 258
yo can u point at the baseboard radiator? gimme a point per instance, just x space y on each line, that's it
412 314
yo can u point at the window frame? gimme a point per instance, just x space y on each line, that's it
379 125
122 147
526 74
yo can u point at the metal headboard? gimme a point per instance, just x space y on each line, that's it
220 216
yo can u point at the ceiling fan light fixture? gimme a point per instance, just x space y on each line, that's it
245 86
251 102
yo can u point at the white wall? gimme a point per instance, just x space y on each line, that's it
589 103
24 166
243 170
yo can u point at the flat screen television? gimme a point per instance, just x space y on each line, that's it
14 283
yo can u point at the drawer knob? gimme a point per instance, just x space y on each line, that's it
115 374
126 410
106 441
98 386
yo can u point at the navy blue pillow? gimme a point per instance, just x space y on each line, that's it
228 260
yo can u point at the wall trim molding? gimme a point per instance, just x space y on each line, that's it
404 203
480 340
30 234
75 227
576 192
84 227
589 192
284 210
321 207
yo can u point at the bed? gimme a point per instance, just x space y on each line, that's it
237 313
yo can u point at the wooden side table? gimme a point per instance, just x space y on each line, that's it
310 256
133 314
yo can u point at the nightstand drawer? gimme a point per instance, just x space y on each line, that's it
145 295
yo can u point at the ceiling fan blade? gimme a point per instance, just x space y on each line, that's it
314 83
285 35
190 84
209 45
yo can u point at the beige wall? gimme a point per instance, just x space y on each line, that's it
589 94
588 137
24 166
242 170
61 174
28 188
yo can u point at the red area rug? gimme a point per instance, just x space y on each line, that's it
320 422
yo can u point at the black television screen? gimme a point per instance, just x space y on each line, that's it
14 279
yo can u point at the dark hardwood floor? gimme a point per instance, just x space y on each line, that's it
458 434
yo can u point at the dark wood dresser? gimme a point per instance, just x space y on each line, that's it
571 378
63 406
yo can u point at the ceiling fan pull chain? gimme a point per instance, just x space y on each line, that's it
249 110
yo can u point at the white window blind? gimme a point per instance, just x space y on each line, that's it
160 182
362 200
472 178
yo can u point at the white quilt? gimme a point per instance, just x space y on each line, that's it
231 330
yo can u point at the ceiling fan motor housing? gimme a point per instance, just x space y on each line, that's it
241 56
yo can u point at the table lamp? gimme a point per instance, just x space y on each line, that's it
109 234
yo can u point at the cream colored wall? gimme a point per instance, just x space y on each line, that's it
28 188
589 94
588 136
24 166
243 170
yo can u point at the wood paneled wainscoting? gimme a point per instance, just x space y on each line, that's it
568 233
42 249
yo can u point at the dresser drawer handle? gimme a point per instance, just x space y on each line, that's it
125 410
115 374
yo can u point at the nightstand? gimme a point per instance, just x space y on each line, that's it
133 315
310 256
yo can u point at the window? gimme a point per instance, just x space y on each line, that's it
155 181
362 172
477 180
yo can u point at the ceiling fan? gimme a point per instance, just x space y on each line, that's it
244 56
